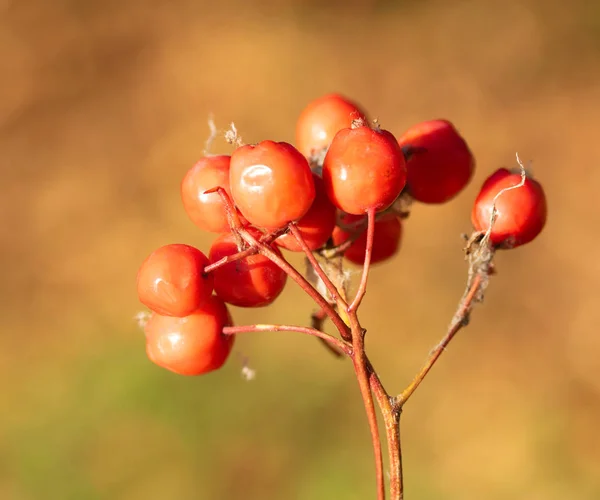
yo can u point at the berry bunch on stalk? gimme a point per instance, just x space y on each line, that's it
340 195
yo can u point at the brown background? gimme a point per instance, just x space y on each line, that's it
103 108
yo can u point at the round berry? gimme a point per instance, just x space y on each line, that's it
271 183
521 212
439 163
322 119
171 281
364 169
253 281
192 345
207 211
317 224
386 239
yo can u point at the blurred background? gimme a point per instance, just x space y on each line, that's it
103 109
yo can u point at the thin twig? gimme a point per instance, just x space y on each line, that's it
340 345
391 421
266 239
331 288
362 375
362 287
460 319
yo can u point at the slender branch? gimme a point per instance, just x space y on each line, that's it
336 251
391 420
267 238
382 396
362 288
460 319
339 345
362 375
233 218
230 258
341 303
392 432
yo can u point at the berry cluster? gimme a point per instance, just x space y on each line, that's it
318 197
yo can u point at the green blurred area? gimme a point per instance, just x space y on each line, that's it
104 107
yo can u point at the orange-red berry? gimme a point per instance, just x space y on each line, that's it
439 163
171 281
271 183
317 224
207 210
254 281
521 212
322 119
364 169
386 238
191 345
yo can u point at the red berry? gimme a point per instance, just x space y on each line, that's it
253 281
271 183
521 212
364 168
171 281
207 211
386 239
322 119
317 224
439 164
192 345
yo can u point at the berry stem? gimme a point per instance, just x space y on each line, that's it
361 369
391 420
362 288
461 319
336 251
392 432
266 239
332 341
340 302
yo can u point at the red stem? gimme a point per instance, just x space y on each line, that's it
330 339
362 375
458 322
317 267
362 288
362 366
267 239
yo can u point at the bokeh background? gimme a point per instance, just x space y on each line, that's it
104 107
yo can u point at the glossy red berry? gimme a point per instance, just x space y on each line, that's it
207 211
386 239
171 281
253 281
271 183
317 224
439 163
192 345
521 212
364 169
322 119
